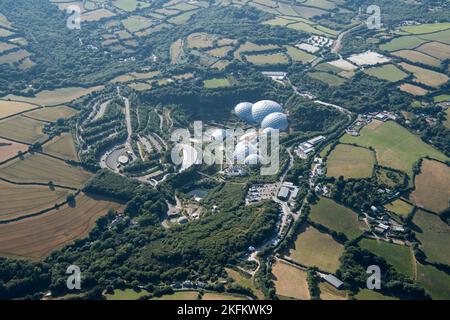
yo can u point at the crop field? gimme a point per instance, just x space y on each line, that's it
314 248
432 187
42 169
244 281
327 78
265 59
216 83
22 129
299 55
436 49
36 237
425 76
52 114
9 108
413 89
435 282
62 146
399 207
434 236
126 295
395 146
336 217
415 56
290 281
9 149
366 294
328 292
17 201
57 96
405 42
350 162
400 257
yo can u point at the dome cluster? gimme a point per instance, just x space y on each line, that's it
269 114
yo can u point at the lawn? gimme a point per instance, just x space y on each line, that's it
336 217
290 281
350 162
388 72
395 146
315 248
434 236
216 83
400 257
432 187
435 282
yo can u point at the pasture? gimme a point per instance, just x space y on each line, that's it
244 281
130 5
336 217
434 235
62 146
9 149
405 42
400 257
216 83
366 294
42 169
52 114
17 201
426 28
435 282
350 162
298 55
267 59
38 236
23 129
432 187
126 295
290 281
9 108
314 248
395 146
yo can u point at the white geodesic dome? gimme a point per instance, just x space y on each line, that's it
263 108
243 150
252 160
276 120
244 111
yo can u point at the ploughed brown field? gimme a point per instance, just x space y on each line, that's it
38 236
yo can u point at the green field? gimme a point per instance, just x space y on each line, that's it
182 295
399 207
400 257
127 294
314 248
216 83
434 236
350 162
265 59
426 28
435 282
388 72
406 42
130 5
299 55
327 78
366 294
395 146
336 217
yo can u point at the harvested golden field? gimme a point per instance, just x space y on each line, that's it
265 59
425 76
432 190
57 96
290 281
252 47
9 149
350 162
23 129
19 200
315 248
96 15
38 236
436 49
415 56
14 56
52 113
412 89
62 146
42 169
9 108
399 207
328 292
